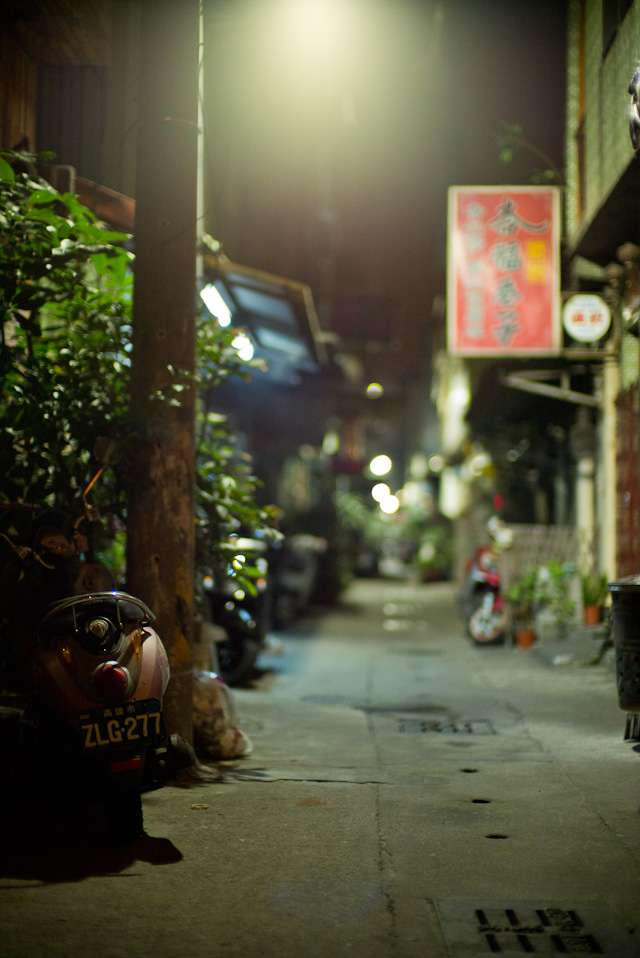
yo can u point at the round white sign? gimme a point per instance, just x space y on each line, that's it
586 317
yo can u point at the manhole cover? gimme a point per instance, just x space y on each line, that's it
514 929
476 727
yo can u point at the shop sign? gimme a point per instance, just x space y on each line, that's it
503 271
586 317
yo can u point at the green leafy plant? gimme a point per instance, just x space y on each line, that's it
521 594
65 290
543 587
510 139
553 592
595 589
434 557
65 332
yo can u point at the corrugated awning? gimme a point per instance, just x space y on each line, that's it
279 313
498 400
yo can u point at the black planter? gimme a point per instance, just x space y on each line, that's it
625 596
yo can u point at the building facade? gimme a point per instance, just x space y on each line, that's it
602 241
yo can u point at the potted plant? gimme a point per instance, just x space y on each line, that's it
521 595
553 594
435 554
595 589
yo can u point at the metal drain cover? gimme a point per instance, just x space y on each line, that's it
513 929
477 727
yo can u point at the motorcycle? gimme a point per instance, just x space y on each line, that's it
482 602
90 672
241 612
295 568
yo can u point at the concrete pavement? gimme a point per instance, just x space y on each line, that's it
408 795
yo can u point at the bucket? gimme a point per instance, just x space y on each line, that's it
625 617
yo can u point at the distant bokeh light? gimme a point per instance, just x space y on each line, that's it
390 504
380 491
380 465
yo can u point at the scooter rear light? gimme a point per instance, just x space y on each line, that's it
127 765
113 681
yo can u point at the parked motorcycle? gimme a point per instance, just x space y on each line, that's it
481 601
92 672
295 565
242 612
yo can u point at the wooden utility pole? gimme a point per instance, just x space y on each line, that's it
160 527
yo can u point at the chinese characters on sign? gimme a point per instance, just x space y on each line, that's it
586 317
503 271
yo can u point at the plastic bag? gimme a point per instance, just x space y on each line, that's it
215 731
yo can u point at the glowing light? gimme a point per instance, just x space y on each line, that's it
374 390
380 466
330 443
244 346
313 34
479 463
459 394
390 504
215 304
380 491
436 463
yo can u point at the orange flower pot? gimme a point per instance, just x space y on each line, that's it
525 639
592 614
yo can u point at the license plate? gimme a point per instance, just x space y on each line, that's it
135 724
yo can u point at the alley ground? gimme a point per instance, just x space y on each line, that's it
408 795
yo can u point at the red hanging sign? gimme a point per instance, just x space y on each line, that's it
503 271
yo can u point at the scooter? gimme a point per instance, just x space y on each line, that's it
241 613
488 622
295 566
481 601
93 672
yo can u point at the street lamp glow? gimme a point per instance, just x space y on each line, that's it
244 346
313 33
215 304
380 491
380 466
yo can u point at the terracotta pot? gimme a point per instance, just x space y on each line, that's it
592 614
525 638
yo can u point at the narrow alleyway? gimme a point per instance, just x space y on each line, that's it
408 795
